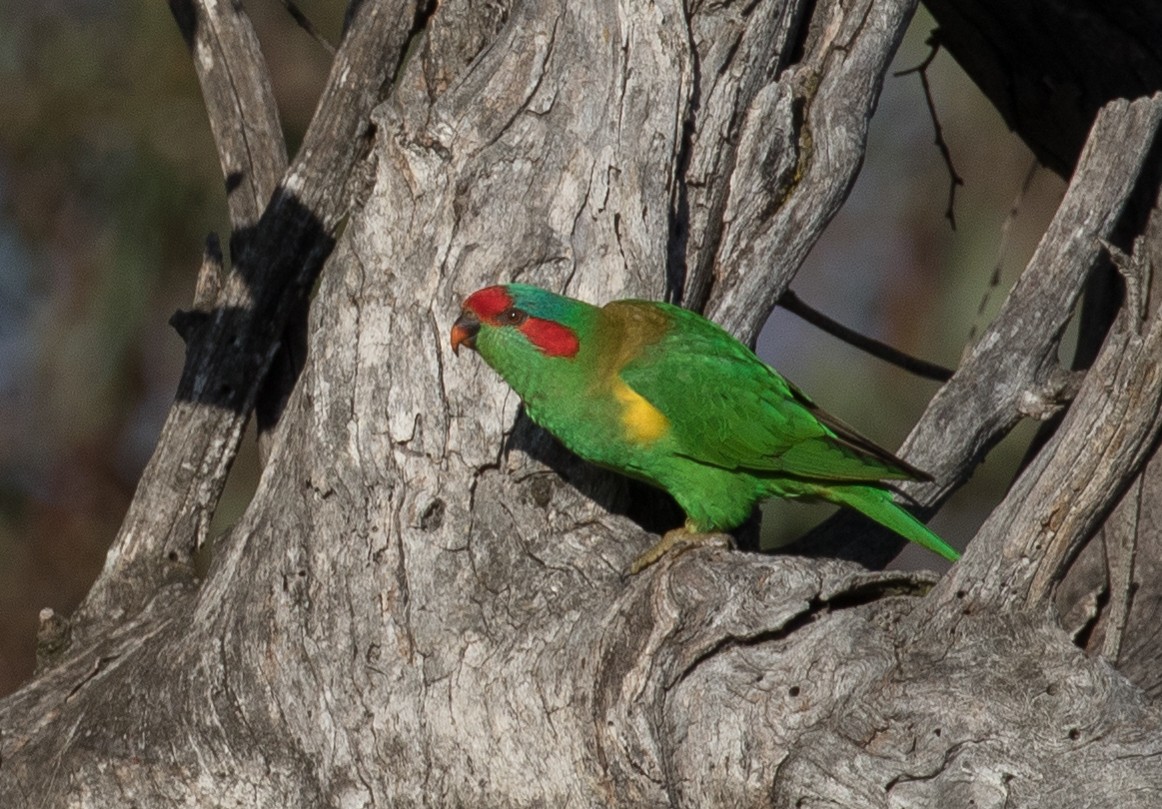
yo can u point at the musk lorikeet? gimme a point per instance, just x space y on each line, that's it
662 394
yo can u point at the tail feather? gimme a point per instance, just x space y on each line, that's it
877 504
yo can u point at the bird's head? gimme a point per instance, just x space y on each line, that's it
516 315
524 332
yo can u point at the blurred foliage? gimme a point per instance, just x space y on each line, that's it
109 183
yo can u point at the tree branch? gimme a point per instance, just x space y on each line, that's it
1012 371
929 370
304 22
1058 502
800 145
239 103
954 179
275 268
1003 245
410 612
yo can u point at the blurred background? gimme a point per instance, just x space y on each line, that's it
109 183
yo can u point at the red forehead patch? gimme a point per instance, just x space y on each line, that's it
489 302
553 339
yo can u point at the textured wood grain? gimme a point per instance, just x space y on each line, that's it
1012 371
239 101
275 265
1047 67
796 143
1078 477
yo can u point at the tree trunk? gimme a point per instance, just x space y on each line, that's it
424 602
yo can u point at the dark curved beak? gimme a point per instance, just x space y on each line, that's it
464 331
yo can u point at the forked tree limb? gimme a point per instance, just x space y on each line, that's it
244 121
277 261
1111 429
954 179
1012 372
414 610
1110 597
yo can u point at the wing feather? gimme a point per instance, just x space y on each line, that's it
727 408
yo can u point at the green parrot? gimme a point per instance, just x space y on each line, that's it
662 394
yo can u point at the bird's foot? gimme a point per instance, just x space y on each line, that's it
678 541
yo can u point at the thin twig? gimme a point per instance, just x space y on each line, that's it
1136 271
954 178
1003 246
929 370
304 22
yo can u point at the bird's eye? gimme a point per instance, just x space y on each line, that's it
512 316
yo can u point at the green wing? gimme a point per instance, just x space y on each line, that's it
728 409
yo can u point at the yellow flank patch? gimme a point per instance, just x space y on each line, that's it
642 421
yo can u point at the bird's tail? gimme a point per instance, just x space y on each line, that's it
877 504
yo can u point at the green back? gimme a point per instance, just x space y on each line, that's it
729 409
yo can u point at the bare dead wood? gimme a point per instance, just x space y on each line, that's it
239 103
1083 55
247 132
928 370
1110 596
954 179
1121 545
1066 493
1012 372
1129 632
303 21
800 142
273 271
1003 245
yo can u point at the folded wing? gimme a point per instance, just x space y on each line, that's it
728 409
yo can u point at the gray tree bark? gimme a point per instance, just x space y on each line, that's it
424 604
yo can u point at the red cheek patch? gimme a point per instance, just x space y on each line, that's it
553 339
489 302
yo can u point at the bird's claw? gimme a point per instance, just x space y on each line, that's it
677 542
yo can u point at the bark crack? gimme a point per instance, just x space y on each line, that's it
853 598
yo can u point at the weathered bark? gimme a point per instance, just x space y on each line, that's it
424 602
234 337
1012 371
1048 66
